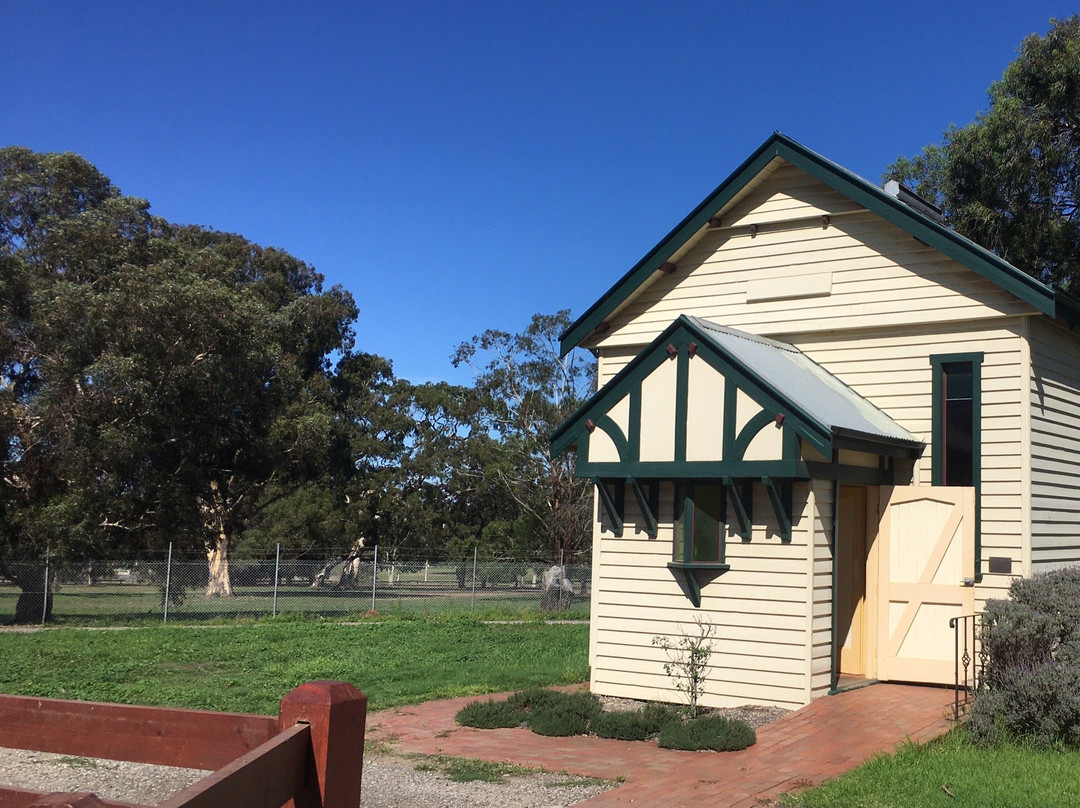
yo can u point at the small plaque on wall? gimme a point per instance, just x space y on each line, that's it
1001 565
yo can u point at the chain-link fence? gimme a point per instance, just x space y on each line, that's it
331 585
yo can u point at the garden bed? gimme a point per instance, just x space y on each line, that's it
563 714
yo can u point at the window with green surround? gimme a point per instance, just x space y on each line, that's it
956 454
699 523
957 394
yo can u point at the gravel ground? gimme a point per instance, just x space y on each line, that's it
390 781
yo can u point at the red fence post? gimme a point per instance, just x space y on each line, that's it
337 714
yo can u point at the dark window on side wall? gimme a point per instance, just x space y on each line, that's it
957 424
699 523
956 456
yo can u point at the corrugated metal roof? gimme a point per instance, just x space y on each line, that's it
805 384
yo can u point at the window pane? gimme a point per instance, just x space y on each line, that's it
958 439
708 501
680 523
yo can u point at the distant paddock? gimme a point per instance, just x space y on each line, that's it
118 592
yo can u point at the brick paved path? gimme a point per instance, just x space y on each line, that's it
829 737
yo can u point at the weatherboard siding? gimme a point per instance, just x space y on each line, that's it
763 609
880 276
892 369
1055 447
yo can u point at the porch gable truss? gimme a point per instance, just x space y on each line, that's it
682 409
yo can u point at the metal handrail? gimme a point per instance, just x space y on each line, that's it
969 661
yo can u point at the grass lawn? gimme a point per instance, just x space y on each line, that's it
247 668
1008 776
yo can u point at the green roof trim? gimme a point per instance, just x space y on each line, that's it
1043 298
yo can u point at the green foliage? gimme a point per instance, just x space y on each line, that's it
1031 683
174 384
490 714
562 714
688 661
634 725
524 389
248 668
716 732
468 770
532 697
556 721
655 716
160 383
1010 180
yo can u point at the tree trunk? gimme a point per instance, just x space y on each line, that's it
33 602
219 585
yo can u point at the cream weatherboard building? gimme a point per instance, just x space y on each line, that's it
826 424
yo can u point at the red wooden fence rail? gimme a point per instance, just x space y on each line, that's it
310 756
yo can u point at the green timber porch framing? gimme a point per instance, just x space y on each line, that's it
626 470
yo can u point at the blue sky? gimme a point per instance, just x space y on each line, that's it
460 166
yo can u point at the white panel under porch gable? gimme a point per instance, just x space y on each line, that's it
768 444
602 448
704 412
658 411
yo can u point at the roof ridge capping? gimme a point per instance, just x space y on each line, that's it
922 225
709 325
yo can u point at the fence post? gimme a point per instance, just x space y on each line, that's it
374 572
337 714
45 594
473 606
168 577
277 572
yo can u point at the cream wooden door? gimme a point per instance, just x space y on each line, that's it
851 580
926 570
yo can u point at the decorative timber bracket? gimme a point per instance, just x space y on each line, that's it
612 501
781 499
742 503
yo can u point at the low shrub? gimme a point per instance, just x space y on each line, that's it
582 703
558 722
561 714
715 732
621 726
655 716
636 725
490 714
532 697
1031 684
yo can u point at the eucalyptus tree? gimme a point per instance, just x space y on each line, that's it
157 383
1010 180
526 389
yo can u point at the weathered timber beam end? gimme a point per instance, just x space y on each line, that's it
337 714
